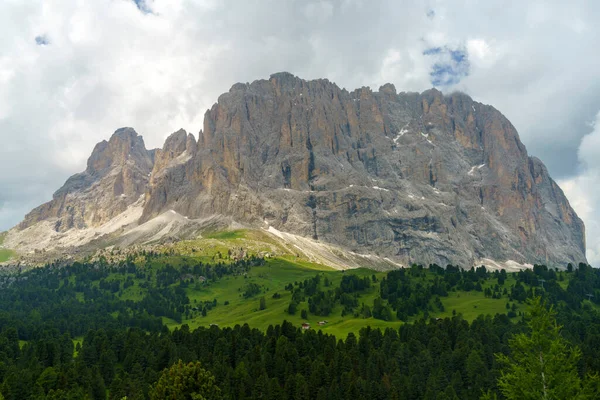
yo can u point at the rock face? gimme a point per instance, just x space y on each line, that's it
410 177
117 174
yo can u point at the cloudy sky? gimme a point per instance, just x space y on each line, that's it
71 72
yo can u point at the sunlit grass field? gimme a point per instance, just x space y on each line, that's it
233 309
274 276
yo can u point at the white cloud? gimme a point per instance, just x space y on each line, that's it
106 65
583 191
481 53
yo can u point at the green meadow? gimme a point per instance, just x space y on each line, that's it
233 308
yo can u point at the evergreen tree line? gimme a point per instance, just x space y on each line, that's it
428 359
126 346
76 298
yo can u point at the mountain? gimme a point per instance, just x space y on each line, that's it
404 177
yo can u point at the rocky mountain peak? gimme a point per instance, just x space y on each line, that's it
116 176
410 177
388 88
124 145
178 142
179 148
420 177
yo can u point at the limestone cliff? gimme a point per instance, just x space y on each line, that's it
407 176
117 174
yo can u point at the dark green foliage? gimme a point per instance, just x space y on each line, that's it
381 311
82 296
292 308
185 382
125 346
542 364
322 302
251 290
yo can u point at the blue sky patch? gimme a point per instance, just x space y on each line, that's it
450 66
42 40
142 6
432 51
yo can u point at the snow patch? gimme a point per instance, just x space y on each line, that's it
426 136
472 170
379 188
401 133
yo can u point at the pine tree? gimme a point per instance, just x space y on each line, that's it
542 364
185 381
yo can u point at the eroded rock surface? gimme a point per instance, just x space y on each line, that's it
117 174
406 176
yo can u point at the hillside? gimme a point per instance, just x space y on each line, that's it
106 328
216 284
405 177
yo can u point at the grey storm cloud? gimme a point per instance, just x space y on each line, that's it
73 72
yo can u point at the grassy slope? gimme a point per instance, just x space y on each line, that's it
472 304
208 248
279 272
5 254
274 276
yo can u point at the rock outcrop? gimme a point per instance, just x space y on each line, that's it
406 176
117 174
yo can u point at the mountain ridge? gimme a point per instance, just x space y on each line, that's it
412 177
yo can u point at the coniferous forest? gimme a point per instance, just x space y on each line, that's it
67 332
